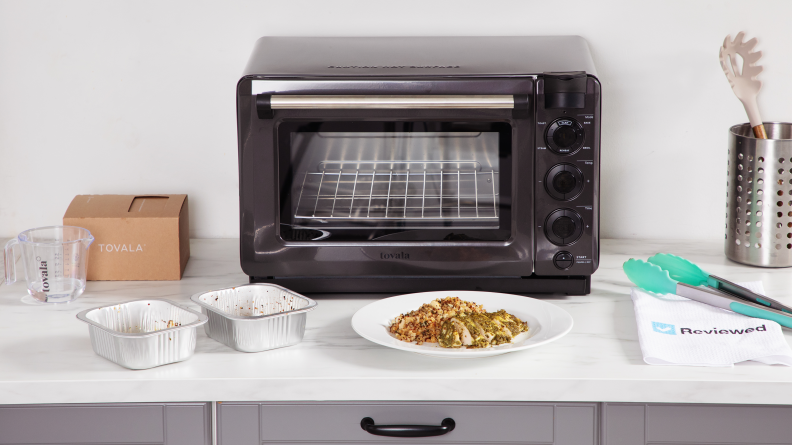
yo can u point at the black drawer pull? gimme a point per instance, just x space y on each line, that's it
447 425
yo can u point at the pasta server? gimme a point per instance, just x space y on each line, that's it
685 271
743 81
653 278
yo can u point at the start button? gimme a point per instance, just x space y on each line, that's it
563 260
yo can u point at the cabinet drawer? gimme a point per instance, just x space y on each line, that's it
718 424
631 424
174 424
77 424
272 423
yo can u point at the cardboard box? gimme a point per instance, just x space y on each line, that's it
137 237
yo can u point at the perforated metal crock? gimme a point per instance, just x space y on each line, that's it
759 196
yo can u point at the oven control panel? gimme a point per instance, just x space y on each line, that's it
566 195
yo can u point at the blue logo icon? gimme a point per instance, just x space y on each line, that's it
663 328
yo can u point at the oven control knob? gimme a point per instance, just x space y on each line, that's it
564 182
563 260
565 136
563 227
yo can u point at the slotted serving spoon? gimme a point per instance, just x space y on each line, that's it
743 81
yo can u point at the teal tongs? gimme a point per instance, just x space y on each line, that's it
669 274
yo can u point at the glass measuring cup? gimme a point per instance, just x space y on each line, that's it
55 261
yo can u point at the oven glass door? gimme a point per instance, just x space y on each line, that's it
395 180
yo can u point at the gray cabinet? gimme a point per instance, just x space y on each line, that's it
245 423
504 423
112 423
643 424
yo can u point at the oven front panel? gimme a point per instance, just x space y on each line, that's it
556 172
383 192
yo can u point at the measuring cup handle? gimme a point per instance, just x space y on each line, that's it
10 261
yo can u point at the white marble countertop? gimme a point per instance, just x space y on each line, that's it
46 355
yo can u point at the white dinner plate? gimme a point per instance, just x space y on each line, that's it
546 322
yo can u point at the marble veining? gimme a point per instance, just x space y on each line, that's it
46 355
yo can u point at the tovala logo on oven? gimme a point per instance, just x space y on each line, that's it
394 256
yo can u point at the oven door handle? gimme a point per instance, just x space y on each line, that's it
407 430
298 102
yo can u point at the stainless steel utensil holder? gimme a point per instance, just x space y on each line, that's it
759 196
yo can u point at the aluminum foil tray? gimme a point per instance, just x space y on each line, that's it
143 334
255 317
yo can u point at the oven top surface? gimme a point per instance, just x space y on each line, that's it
417 57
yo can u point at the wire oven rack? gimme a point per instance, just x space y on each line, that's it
456 194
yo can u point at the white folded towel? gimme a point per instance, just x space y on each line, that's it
674 330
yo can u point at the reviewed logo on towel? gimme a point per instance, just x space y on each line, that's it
761 328
663 328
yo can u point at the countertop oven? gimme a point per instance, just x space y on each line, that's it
405 164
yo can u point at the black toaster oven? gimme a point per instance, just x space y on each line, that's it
420 163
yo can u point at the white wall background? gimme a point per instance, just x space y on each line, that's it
138 96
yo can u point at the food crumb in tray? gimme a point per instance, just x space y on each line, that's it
253 308
156 327
454 323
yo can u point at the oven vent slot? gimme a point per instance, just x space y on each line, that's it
466 193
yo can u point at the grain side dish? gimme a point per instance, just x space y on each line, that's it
455 323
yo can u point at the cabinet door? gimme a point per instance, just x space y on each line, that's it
632 424
475 423
139 423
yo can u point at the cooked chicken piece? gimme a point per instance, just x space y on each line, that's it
512 323
498 332
454 334
480 337
480 330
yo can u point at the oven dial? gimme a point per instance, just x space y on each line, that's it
565 136
564 182
563 227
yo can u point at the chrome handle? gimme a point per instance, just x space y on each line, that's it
358 102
